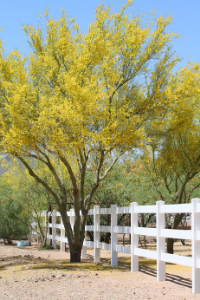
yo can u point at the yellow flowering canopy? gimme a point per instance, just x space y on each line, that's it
77 91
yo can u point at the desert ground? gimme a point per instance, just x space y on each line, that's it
30 273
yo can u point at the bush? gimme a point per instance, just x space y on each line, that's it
47 247
10 227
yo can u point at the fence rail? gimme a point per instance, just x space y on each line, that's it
160 233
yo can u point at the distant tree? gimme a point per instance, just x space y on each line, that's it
173 166
11 228
26 193
114 189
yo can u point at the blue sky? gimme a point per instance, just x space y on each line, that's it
15 13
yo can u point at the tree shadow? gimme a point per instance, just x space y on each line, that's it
14 261
168 277
124 265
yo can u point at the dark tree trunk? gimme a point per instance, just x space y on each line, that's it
107 237
75 256
170 246
170 242
9 242
183 242
91 235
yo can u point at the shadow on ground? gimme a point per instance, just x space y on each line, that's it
169 277
28 262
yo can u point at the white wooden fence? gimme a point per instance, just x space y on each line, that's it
160 233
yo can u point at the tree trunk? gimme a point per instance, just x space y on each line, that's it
45 242
107 237
170 246
170 242
9 241
75 256
183 242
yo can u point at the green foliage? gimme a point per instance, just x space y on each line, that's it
47 247
127 183
26 193
10 227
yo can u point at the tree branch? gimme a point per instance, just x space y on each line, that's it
190 193
27 224
32 173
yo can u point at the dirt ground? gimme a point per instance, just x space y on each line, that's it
29 273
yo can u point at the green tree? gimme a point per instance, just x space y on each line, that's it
11 228
115 189
27 194
174 168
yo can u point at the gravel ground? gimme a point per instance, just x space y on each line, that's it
27 273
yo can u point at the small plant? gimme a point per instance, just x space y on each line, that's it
47 247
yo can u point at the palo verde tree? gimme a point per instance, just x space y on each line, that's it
83 99
173 160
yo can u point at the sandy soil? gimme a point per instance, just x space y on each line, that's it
29 273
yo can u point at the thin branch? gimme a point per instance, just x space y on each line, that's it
27 224
187 179
70 171
168 188
192 190
109 169
158 191
83 173
32 173
88 199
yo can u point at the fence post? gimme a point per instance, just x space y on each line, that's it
160 224
47 227
54 228
84 252
195 247
114 253
35 234
62 235
84 249
72 218
134 237
96 233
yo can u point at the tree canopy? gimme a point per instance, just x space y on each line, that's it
81 100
